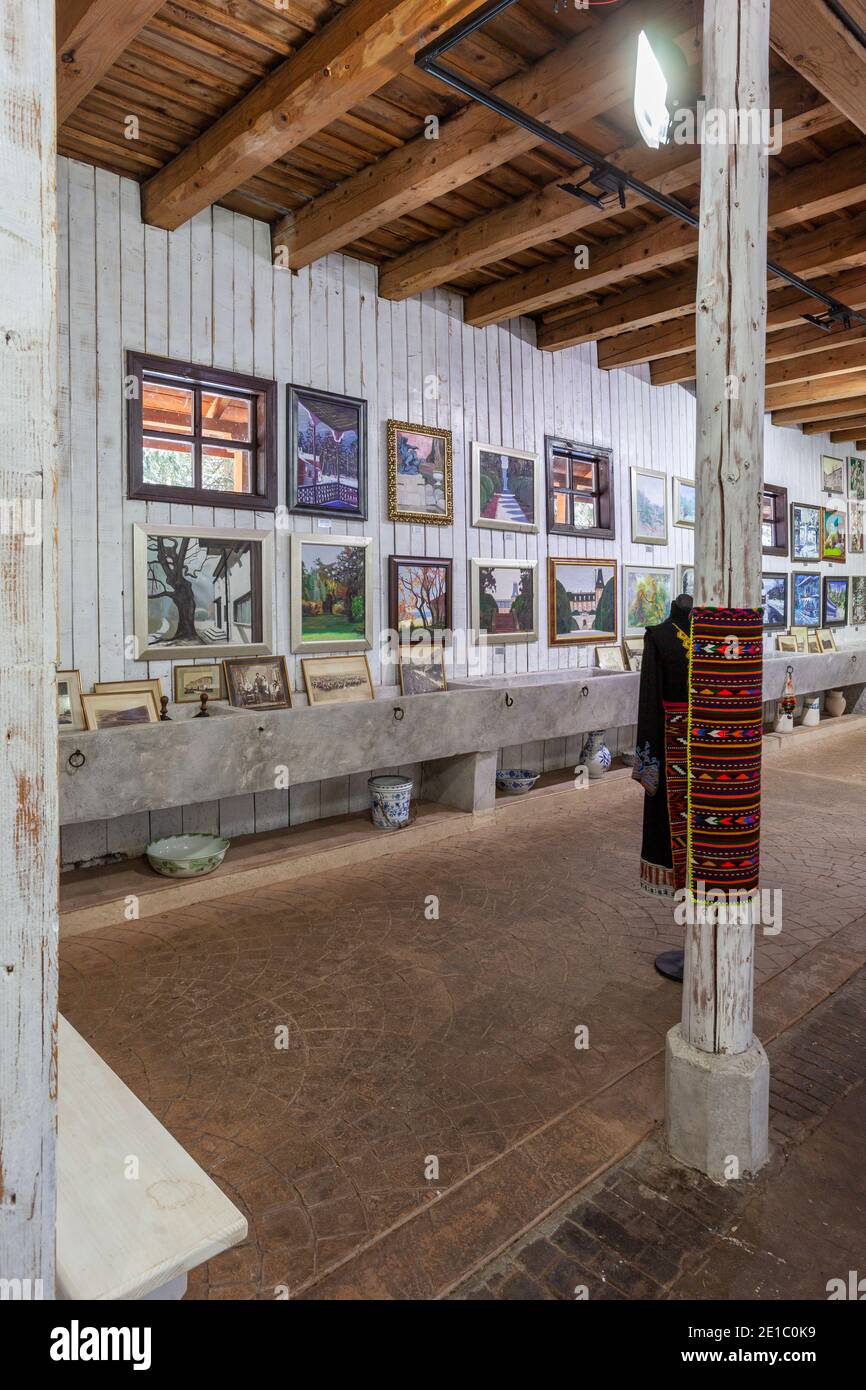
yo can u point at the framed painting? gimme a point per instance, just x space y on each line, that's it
649 507
327 453
805 531
634 652
774 597
191 682
858 599
686 580
648 597
826 640
610 658
813 642
153 684
684 501
422 668
581 601
856 479
419 595
855 527
199 591
70 711
786 643
333 680
805 599
504 600
332 593
257 682
832 473
419 474
505 488
119 709
800 635
836 597
833 544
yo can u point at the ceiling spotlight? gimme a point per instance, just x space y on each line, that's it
659 76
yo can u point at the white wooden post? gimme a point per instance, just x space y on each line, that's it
28 646
717 1072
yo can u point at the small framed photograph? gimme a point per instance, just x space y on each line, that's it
419 595
634 652
856 488
826 640
686 580
800 635
684 501
257 682
332 680
775 600
833 543
813 643
610 658
786 643
70 713
422 668
835 607
152 683
582 604
505 488
806 527
504 600
191 682
833 474
119 709
649 507
419 474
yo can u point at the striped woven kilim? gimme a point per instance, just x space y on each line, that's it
676 779
724 747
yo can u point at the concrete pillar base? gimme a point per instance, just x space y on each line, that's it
717 1108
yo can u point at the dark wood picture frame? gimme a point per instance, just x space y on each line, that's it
293 393
603 461
812 507
783 625
237 663
263 393
826 580
394 564
780 519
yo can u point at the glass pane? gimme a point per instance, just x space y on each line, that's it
226 417
584 513
583 474
768 534
769 508
561 509
168 463
559 472
167 407
226 470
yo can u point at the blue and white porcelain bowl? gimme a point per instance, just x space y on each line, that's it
187 856
516 779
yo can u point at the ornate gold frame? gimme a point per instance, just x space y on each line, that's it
445 518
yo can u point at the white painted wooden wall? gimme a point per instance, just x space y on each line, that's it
208 293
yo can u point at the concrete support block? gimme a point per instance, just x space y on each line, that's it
717 1108
467 782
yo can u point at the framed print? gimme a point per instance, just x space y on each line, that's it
332 593
332 680
786 643
70 712
581 597
648 597
119 709
504 600
858 599
201 592
684 501
835 609
805 531
686 580
633 647
649 507
610 658
800 633
813 642
505 488
257 682
327 453
855 527
191 682
805 599
419 595
422 668
856 480
832 474
775 600
153 684
833 545
826 640
419 474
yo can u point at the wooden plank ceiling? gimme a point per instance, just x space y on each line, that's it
311 115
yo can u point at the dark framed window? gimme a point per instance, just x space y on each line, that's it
774 520
579 489
200 435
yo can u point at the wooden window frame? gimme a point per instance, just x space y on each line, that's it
780 518
263 450
602 461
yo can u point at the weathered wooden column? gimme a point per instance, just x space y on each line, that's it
717 1074
28 647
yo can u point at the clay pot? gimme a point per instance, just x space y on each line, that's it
834 703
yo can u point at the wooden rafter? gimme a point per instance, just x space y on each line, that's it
91 35
803 341
836 398
809 36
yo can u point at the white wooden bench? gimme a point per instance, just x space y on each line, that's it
121 1236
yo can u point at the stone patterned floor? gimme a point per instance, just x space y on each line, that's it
410 1035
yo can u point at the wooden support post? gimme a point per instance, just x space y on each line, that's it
28 647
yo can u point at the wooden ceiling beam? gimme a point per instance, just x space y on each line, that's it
794 343
818 410
814 41
814 391
361 49
838 429
91 35
815 365
582 79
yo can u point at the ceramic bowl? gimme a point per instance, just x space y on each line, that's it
516 779
187 856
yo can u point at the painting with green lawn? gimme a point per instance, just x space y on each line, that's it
648 595
331 593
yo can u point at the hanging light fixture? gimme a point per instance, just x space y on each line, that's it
660 73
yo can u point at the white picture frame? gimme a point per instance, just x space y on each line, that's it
328 646
649 491
509 512
500 638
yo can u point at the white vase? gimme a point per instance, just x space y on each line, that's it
811 711
784 723
596 756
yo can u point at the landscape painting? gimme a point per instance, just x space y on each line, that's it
805 599
419 474
835 600
504 488
201 592
649 510
581 601
331 593
684 501
686 580
419 595
806 530
119 709
327 453
775 600
648 597
833 546
504 600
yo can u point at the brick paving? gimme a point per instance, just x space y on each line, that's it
410 1036
650 1229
